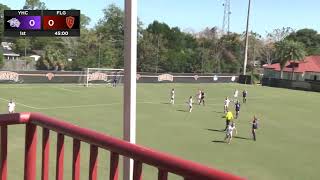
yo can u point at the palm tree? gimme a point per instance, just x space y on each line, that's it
288 50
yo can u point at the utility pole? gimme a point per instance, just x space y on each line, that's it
202 54
158 54
247 41
99 39
130 81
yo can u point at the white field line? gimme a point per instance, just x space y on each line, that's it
32 107
120 103
65 89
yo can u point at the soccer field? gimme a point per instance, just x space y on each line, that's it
287 143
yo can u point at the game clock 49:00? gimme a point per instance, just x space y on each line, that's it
41 23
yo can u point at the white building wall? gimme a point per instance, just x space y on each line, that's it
312 75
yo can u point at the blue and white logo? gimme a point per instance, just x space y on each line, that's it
14 22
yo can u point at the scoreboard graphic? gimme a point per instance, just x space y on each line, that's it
41 23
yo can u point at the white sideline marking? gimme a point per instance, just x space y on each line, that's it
65 89
20 104
120 103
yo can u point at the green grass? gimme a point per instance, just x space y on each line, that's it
288 136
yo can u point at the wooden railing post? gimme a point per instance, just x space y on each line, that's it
3 154
60 157
76 160
45 154
162 175
137 170
114 162
93 165
30 156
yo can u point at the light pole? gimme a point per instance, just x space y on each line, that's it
158 54
247 41
130 86
99 51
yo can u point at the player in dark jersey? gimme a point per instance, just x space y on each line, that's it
114 82
244 95
237 106
202 98
254 127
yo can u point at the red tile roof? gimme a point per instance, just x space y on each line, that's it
309 64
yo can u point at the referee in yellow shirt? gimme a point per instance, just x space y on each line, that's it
229 117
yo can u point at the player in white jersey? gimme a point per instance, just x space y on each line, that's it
226 104
229 133
11 106
235 95
172 96
190 102
199 96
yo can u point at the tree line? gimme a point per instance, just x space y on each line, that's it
162 48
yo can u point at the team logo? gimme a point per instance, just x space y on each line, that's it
215 78
97 76
233 78
138 76
50 76
14 22
9 76
70 21
196 77
165 77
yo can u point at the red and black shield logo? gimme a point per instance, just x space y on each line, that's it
70 21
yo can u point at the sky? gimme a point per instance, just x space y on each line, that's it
196 15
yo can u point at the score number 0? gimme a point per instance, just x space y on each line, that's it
32 23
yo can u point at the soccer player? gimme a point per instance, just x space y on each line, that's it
172 96
244 96
114 82
254 127
190 103
202 98
226 104
229 118
11 106
199 96
229 132
115 79
235 95
237 106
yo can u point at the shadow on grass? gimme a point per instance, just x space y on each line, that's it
165 103
215 141
180 110
216 130
239 137
219 112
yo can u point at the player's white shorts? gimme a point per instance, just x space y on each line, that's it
229 135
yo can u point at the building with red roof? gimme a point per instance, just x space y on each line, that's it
308 69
